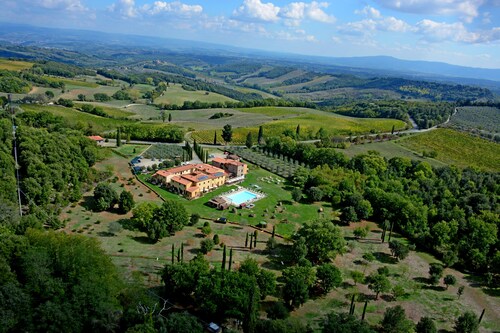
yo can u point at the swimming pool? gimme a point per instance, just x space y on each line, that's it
240 197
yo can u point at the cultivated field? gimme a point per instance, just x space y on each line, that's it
479 117
14 65
310 122
177 95
460 149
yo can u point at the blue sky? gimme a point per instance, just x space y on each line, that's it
463 32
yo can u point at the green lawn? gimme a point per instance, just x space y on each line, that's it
131 150
287 217
457 148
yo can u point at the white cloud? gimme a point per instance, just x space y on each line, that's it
369 12
465 9
59 5
255 9
376 22
457 32
177 7
126 8
293 13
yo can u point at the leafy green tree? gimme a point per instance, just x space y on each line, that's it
195 217
395 321
181 279
227 133
289 325
206 229
315 193
398 249
460 291
172 215
379 283
299 249
467 323
435 273
323 239
105 197
328 277
143 214
206 245
361 232
126 202
266 280
216 239
249 140
277 310
449 280
49 94
181 323
426 325
357 277
298 281
344 323
297 194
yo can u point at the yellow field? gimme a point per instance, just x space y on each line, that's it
460 149
14 65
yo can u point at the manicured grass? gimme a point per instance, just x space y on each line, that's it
388 149
457 148
14 65
177 95
131 150
287 217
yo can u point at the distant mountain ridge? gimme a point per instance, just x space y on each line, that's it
25 35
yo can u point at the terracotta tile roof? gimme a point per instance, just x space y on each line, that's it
192 189
96 138
181 180
163 173
227 161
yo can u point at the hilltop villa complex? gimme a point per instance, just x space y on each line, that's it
192 180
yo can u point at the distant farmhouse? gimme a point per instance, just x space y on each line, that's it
192 180
98 139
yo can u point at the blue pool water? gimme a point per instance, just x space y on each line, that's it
241 197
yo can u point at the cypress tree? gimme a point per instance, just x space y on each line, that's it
215 137
169 117
255 238
118 137
224 258
173 251
182 252
297 131
230 259
251 241
260 136
274 231
246 241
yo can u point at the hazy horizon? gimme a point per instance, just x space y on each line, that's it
459 32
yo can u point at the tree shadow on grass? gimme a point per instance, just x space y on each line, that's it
421 279
495 292
385 258
435 288
194 251
88 203
143 240
105 234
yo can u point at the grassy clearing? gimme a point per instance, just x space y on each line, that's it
14 65
111 111
388 149
177 95
457 148
73 82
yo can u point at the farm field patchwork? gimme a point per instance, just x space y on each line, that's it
460 149
310 122
477 117
175 94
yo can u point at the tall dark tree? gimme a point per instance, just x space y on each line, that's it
126 202
344 323
249 140
118 137
297 131
467 323
215 137
169 117
395 321
105 197
227 133
426 325
260 136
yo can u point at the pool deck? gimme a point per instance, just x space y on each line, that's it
259 195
